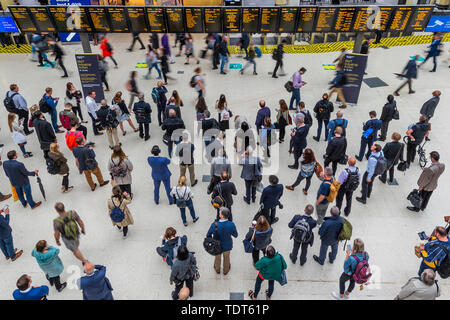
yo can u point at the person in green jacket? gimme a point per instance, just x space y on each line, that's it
270 268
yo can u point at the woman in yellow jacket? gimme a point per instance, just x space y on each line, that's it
121 200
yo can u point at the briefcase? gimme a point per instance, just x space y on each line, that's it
415 198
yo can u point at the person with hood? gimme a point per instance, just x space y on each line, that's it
170 244
337 84
48 260
183 270
107 50
387 115
430 105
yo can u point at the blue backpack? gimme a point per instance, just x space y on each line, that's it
116 214
258 52
155 95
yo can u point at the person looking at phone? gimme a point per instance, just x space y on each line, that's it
433 252
6 239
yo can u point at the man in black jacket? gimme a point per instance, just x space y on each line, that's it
393 152
336 149
299 140
207 124
387 115
171 124
44 131
224 54
416 133
431 104
142 111
162 100
108 120
309 210
226 190
278 56
57 51
323 111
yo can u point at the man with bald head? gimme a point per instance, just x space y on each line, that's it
263 113
338 122
349 178
108 120
428 107
171 124
95 285
184 293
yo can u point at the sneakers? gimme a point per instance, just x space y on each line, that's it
359 199
195 219
63 285
104 183
336 296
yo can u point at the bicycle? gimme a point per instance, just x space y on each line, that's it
420 151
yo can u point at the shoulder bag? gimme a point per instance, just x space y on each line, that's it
248 244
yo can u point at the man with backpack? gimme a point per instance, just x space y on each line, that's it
108 120
329 236
376 165
369 135
338 122
15 103
416 134
142 111
67 226
323 109
198 82
68 117
172 125
337 85
48 104
44 132
225 190
160 99
277 55
435 253
327 193
336 149
302 233
349 179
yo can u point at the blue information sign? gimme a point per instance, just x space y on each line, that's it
438 24
7 24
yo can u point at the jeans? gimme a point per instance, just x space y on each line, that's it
295 96
323 252
340 198
365 142
248 64
22 148
190 206
258 283
366 187
154 65
178 287
294 253
250 190
423 267
170 146
300 178
54 118
342 280
223 62
7 247
157 184
27 189
319 128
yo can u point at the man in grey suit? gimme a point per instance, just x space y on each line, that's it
428 107
251 173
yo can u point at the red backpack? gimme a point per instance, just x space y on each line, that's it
362 272
71 138
65 121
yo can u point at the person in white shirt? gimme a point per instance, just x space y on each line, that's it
92 108
182 192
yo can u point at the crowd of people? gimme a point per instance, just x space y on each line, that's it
249 142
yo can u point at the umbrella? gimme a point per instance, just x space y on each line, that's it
41 187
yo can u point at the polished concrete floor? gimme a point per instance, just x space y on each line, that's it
388 229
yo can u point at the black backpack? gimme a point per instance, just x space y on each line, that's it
52 168
212 245
193 83
110 120
141 117
90 163
275 54
352 182
307 118
444 267
109 47
9 103
43 105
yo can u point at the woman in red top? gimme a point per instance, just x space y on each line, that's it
107 50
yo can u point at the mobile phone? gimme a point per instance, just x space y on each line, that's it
422 235
6 207
349 247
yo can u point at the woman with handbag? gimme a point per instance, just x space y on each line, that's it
260 236
271 267
120 200
282 119
124 112
308 166
183 198
74 96
18 134
224 113
184 269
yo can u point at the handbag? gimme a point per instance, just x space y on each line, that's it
402 166
289 86
343 160
212 245
396 114
396 158
415 198
248 244
318 169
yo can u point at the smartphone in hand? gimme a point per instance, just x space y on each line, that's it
349 247
422 235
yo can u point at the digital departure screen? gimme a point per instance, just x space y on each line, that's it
382 18
401 18
194 20
42 19
231 19
250 18
137 19
99 19
361 17
22 18
306 19
419 20
60 15
325 19
344 19
156 19
80 19
213 20
287 20
269 20
175 21
118 19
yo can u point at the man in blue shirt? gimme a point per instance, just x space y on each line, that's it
52 103
329 233
349 179
160 173
95 285
369 175
338 122
25 291
369 136
270 199
21 105
225 230
322 193
409 72
309 209
6 239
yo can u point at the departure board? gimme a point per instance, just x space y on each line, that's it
382 18
23 20
325 19
119 21
419 20
250 17
306 19
99 19
231 19
156 20
194 20
213 20
401 18
137 19
80 19
175 21
361 17
287 19
269 20
42 19
344 19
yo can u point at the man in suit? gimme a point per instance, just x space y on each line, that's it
430 105
95 285
434 51
329 232
270 199
299 140
369 135
251 170
309 209
18 177
6 239
336 149
160 173
226 190
210 128
409 72
44 132
428 180
25 291
387 115
225 230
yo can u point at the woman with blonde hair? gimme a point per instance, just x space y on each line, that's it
120 168
121 200
60 162
178 101
18 134
124 112
183 195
